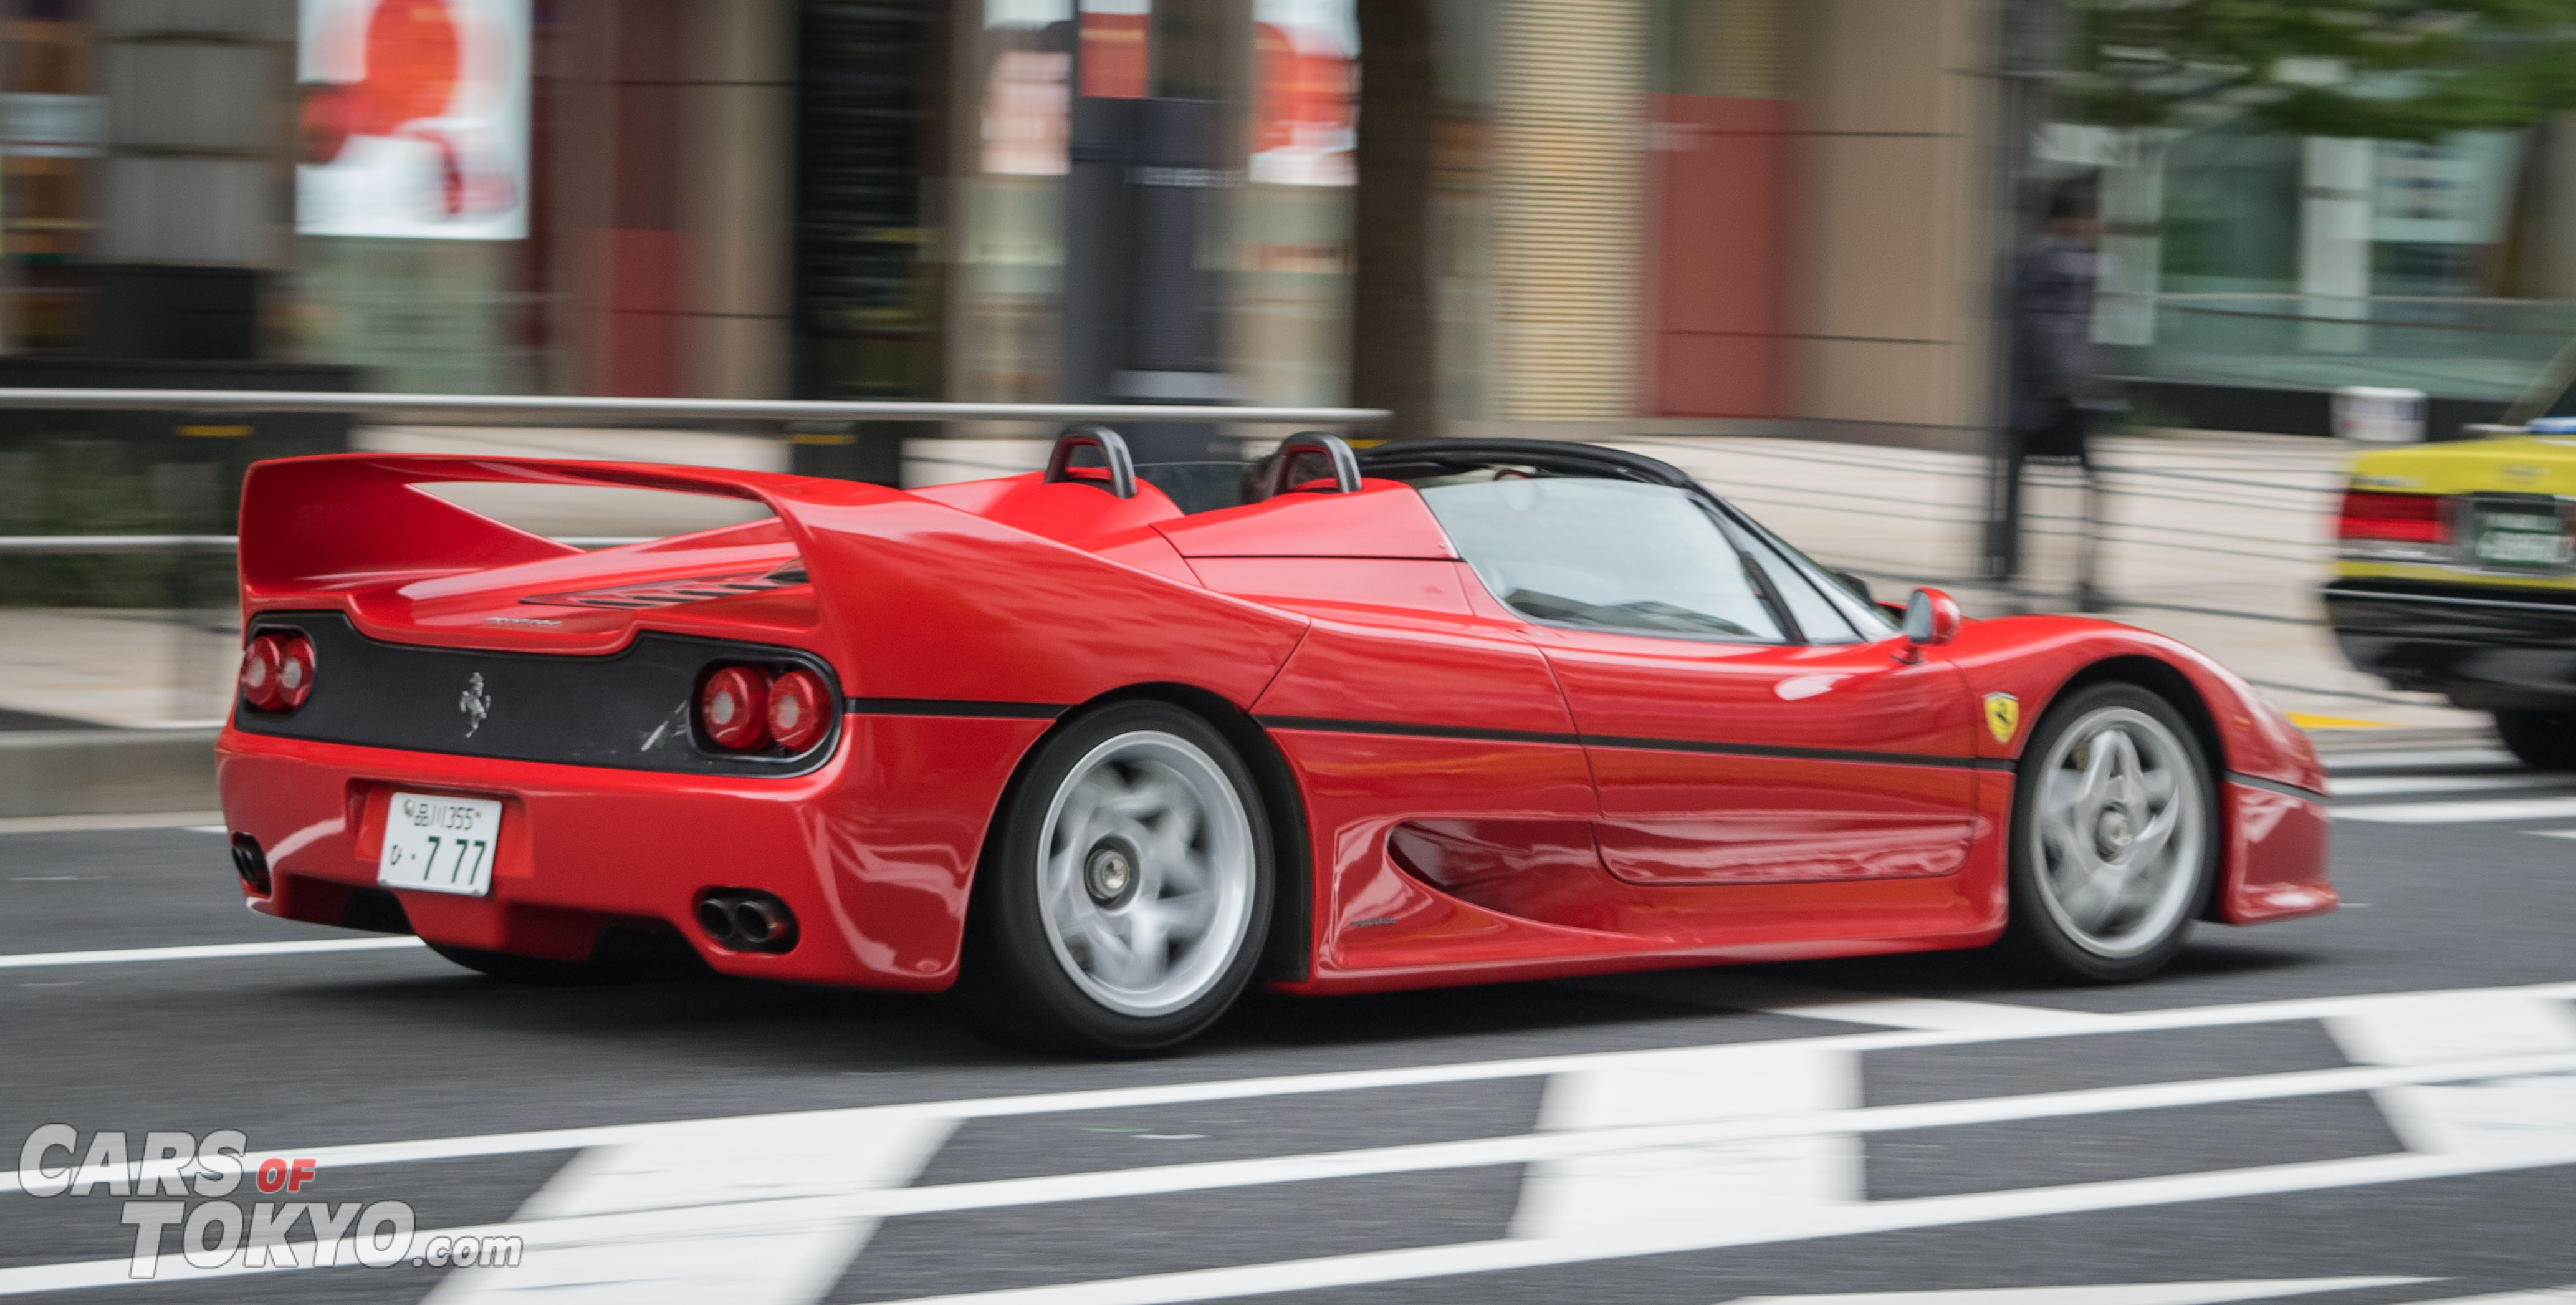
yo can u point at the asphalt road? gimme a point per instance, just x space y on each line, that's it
2272 1119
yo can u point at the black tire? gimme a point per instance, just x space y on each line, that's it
2058 852
1033 982
2543 740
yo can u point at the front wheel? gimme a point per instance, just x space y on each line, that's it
2542 740
2113 840
1122 905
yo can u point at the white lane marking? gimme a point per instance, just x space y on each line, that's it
2544 1296
1803 1181
750 1220
2496 1116
2554 833
2456 813
708 1167
1641 1191
1874 1217
1129 1098
2434 1028
2342 763
2358 786
1738 991
88 824
206 952
2137 1293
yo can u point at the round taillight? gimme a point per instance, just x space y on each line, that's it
733 708
294 671
800 709
259 672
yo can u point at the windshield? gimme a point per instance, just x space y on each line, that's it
1606 553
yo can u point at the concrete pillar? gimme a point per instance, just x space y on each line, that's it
737 178
2553 233
2334 241
192 208
1567 207
2133 212
1896 241
674 184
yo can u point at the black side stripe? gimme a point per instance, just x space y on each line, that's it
1649 745
1332 726
2274 786
953 707
1800 754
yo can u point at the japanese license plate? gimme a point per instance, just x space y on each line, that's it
2533 537
439 844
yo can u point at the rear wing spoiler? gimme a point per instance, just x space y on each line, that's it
315 522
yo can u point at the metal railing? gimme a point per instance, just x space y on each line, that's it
564 406
88 545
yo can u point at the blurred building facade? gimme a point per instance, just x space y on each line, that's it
1675 215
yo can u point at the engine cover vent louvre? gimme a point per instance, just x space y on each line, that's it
671 593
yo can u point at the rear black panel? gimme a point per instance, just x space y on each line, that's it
629 709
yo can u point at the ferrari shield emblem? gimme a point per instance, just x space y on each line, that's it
2003 716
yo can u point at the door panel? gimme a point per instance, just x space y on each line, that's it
1742 763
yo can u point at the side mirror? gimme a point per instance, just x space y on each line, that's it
1931 618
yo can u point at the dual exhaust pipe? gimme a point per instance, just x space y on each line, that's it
250 865
746 920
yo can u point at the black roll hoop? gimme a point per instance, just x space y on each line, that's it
1113 450
1313 444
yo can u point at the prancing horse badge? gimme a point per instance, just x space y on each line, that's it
2003 716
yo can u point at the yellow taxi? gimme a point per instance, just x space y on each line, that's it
2456 573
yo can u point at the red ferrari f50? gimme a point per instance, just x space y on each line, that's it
1448 711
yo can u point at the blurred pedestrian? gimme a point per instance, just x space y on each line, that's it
2057 385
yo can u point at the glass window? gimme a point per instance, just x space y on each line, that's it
1865 616
1606 553
1819 621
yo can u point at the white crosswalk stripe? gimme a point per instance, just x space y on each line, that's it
2135 1293
2362 786
2420 759
694 1167
2461 813
2490 788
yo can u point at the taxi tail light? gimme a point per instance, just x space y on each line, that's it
800 709
733 708
2400 518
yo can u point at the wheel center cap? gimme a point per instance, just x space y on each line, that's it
2112 834
1109 873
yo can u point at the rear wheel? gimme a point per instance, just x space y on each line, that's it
2113 838
1122 905
2544 740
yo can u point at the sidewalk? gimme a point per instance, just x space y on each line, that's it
2218 540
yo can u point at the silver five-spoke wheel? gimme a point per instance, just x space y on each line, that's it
1147 873
2114 834
2119 831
